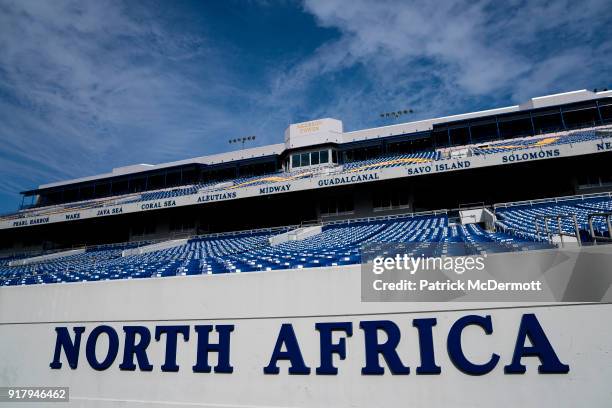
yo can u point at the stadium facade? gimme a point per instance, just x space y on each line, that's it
529 185
322 173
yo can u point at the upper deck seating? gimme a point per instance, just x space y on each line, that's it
544 141
392 161
386 161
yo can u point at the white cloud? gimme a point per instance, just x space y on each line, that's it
445 55
88 85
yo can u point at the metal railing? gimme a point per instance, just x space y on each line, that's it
471 206
607 216
561 234
244 232
387 217
552 200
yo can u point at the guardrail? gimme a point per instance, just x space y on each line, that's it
244 232
607 216
387 217
472 206
552 200
549 234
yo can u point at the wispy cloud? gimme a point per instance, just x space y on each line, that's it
88 85
446 56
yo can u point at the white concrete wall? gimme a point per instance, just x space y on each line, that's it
297 234
472 216
312 133
478 215
258 304
47 257
154 247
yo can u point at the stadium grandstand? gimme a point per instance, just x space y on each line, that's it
530 176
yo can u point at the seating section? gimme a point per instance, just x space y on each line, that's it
276 177
387 161
66 269
163 194
339 243
547 141
520 220
59 208
392 161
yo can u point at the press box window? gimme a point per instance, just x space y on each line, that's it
314 158
324 156
311 159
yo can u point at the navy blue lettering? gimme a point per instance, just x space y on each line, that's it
455 350
111 353
286 337
131 348
71 349
204 347
171 333
540 347
328 349
428 359
373 348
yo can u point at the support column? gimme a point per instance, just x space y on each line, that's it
562 119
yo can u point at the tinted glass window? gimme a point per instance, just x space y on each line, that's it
314 158
324 156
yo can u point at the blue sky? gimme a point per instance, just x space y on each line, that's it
90 85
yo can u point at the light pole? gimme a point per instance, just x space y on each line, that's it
241 140
396 114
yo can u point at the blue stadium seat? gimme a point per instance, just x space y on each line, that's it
339 243
542 141
520 220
